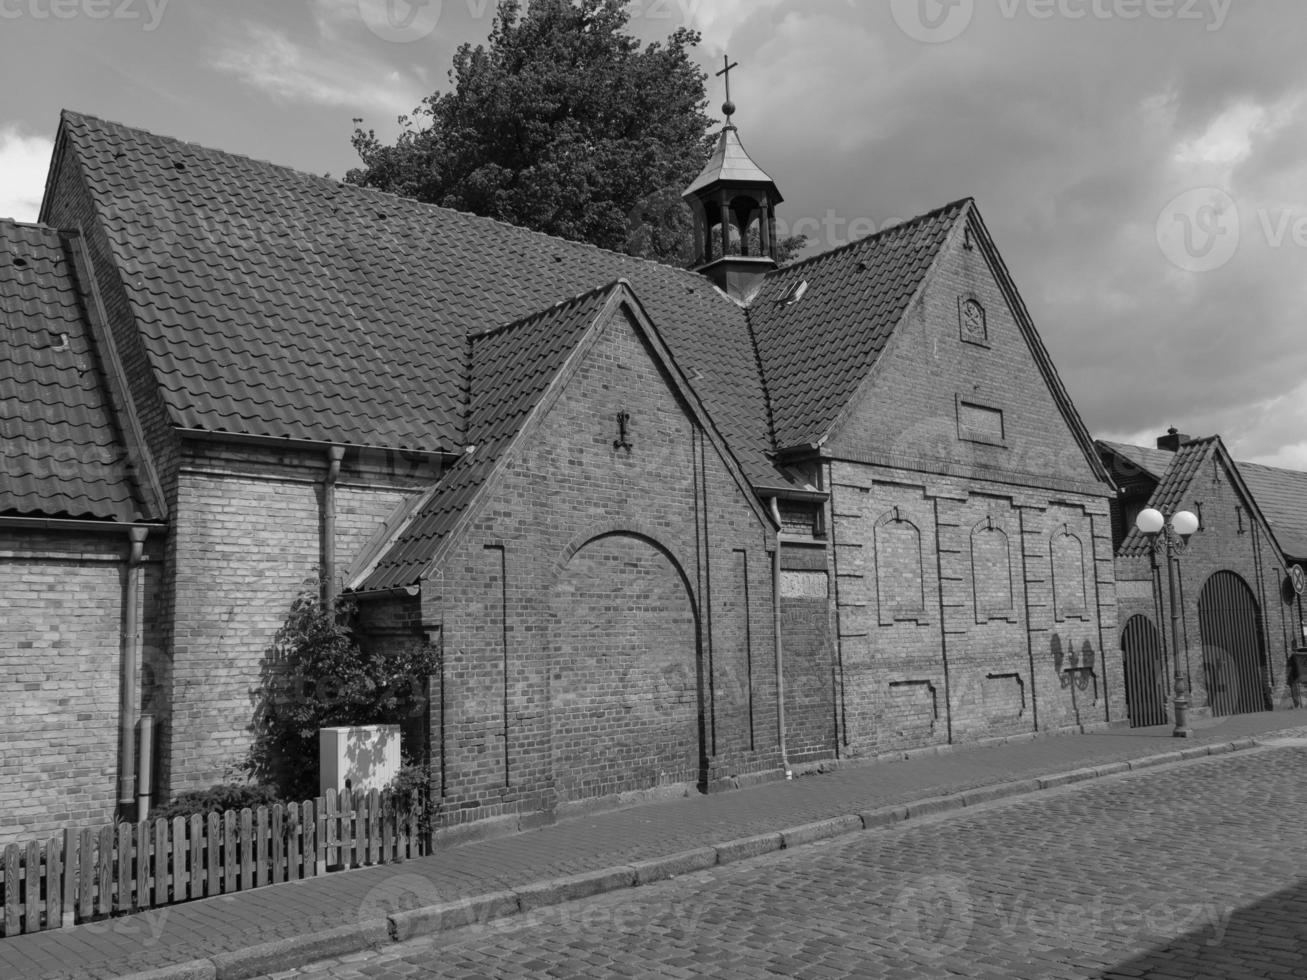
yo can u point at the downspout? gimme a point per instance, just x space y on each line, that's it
131 657
329 591
780 659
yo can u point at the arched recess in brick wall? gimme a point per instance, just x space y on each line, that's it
1067 555
1234 647
625 697
900 576
991 572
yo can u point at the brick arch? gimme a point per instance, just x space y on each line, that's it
629 529
625 688
900 569
992 586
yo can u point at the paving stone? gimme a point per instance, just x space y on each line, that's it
641 838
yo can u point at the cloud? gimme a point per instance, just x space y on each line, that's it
290 70
716 20
24 163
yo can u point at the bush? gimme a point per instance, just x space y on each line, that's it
221 797
410 792
318 676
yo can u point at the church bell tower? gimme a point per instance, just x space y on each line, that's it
734 204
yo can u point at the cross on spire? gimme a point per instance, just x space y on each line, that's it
728 107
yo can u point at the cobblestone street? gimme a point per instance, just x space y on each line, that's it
1192 871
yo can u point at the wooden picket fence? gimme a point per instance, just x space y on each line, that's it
78 876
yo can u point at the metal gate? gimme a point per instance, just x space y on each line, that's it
1145 673
1234 654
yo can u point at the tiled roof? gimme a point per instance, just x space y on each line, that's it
510 368
1153 462
816 351
730 163
1173 488
62 453
1282 496
279 304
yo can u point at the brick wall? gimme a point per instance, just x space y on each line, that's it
246 540
559 686
809 654
1229 540
972 563
70 207
61 651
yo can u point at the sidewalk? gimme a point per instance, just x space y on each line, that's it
275 928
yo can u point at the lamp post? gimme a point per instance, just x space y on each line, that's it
1169 538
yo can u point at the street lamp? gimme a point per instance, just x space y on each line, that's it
1169 538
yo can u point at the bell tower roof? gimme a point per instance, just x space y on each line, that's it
734 203
731 164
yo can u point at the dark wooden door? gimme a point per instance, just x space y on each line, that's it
1234 652
1145 673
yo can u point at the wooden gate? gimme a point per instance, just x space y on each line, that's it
1234 653
1145 673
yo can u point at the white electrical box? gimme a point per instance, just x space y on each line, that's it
363 758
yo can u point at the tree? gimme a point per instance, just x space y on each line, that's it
562 123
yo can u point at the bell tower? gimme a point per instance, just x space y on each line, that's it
734 203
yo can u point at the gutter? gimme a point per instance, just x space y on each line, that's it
306 445
398 591
335 454
130 659
73 524
780 655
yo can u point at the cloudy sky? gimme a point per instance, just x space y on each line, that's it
1142 164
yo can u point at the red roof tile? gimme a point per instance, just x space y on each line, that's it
1282 496
63 456
275 303
815 351
510 368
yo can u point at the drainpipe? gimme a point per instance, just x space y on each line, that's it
146 788
130 659
334 456
780 660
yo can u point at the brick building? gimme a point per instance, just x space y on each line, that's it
631 504
1240 616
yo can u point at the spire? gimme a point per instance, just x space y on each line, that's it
734 200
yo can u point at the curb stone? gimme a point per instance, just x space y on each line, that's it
282 954
452 915
555 891
285 954
686 862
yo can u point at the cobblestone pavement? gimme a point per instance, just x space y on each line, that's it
1196 871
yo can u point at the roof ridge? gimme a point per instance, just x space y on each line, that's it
762 376
67 113
546 310
867 239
